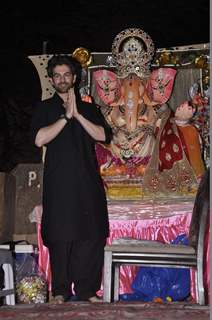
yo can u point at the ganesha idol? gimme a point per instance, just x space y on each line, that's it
134 102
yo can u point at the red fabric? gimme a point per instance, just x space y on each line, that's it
170 148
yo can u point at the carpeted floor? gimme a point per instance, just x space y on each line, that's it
105 311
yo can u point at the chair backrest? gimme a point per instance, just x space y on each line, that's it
200 211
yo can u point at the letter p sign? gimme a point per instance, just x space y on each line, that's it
32 177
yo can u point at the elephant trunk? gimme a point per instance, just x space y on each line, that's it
131 114
132 92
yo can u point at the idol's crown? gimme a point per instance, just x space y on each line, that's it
132 52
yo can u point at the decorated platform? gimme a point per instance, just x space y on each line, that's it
146 220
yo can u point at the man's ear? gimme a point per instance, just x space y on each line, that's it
74 78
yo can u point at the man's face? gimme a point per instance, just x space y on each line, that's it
62 79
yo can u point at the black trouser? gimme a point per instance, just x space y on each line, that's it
79 262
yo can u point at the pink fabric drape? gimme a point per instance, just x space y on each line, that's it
146 220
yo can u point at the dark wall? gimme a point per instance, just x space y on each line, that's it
19 90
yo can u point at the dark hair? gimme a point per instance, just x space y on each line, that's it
72 63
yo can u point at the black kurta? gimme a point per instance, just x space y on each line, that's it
74 201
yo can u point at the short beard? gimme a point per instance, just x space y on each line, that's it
63 89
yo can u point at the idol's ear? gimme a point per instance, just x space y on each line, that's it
107 85
160 84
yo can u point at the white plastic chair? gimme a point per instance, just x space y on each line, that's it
6 260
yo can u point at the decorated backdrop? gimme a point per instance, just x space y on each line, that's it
153 100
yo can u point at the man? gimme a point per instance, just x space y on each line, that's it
74 223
